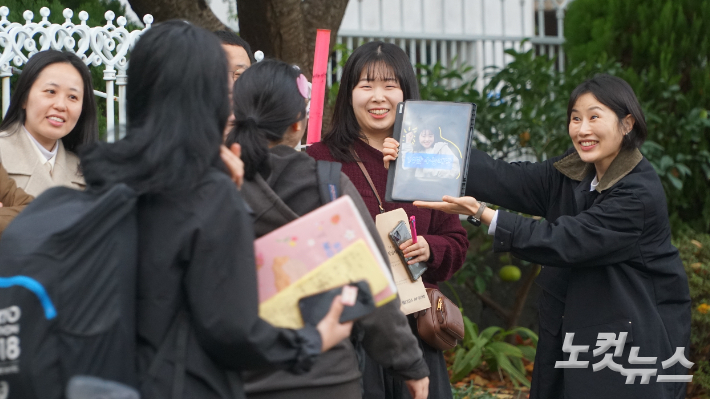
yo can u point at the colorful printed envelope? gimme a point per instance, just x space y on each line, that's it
292 251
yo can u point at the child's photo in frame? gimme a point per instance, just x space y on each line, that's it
435 139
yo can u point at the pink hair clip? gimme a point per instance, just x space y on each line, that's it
303 86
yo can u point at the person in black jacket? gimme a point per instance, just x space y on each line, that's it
197 292
280 186
605 241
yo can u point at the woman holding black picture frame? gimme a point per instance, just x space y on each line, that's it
605 241
377 77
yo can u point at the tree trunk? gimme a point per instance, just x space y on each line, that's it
282 29
197 12
286 29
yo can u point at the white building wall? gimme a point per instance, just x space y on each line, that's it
514 18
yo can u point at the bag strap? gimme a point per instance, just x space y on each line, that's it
328 174
369 181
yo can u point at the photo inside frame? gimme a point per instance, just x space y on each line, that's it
434 144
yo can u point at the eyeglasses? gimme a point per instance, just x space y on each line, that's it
236 74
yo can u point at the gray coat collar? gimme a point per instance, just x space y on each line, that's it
573 167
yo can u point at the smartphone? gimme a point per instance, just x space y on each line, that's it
315 307
399 235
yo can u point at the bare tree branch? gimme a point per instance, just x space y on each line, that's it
500 310
521 297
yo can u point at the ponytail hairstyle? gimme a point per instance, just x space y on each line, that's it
266 102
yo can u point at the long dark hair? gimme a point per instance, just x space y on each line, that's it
376 58
618 95
86 129
266 102
177 109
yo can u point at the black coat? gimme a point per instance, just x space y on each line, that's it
609 266
291 191
197 254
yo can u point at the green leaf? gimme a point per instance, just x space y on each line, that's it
666 162
675 181
683 170
469 361
512 371
480 284
528 352
470 332
526 332
489 332
504 348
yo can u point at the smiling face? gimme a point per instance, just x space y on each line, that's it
596 132
54 103
374 102
426 138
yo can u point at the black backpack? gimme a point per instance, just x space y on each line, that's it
68 291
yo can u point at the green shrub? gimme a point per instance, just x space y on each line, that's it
523 106
662 47
695 252
489 346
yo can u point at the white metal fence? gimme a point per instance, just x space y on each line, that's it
452 32
106 45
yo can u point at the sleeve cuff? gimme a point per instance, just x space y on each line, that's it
503 237
435 245
494 223
415 372
310 343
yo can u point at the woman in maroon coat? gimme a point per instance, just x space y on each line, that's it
376 77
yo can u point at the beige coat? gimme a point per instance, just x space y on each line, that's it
20 159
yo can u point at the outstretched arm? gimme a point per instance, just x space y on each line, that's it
607 233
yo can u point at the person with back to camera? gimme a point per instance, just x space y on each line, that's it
605 241
52 113
280 186
196 259
376 77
